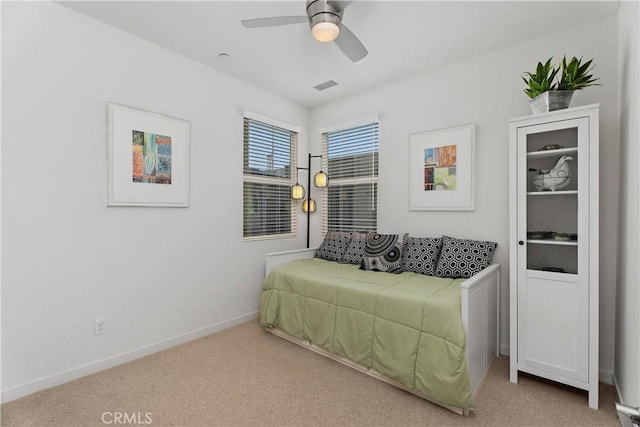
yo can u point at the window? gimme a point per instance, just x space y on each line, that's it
351 161
268 210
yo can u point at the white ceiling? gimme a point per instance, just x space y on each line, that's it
403 37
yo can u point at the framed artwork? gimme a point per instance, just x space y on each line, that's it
148 158
441 169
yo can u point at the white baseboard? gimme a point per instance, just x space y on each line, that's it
100 365
618 393
603 376
504 350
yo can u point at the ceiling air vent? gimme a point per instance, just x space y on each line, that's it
325 85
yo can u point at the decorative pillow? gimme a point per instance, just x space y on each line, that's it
420 255
354 252
464 258
383 252
334 246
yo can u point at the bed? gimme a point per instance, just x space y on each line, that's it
433 337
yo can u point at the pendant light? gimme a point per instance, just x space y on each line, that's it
297 192
320 179
309 205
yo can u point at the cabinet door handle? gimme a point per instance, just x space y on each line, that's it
521 243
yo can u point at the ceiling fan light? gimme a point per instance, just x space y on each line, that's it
325 31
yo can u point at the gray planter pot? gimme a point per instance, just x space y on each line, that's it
550 101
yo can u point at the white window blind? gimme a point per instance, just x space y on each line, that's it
350 158
268 211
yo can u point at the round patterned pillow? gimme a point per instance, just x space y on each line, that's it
383 252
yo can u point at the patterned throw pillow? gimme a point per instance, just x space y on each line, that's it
420 255
383 252
354 252
334 246
464 258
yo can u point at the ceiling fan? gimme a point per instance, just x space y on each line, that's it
325 19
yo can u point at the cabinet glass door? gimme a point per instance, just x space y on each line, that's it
552 200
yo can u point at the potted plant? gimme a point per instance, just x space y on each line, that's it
547 95
541 81
575 75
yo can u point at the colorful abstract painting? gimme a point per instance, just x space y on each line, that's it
151 158
440 168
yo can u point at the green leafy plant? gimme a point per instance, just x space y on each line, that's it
572 75
575 75
540 81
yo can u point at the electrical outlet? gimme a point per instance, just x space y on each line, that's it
101 326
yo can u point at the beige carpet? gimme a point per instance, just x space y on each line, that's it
244 376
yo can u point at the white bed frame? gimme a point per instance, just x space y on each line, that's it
480 314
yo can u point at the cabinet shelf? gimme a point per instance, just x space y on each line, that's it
552 193
554 242
551 275
551 153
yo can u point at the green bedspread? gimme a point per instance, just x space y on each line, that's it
406 326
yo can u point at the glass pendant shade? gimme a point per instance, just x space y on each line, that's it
321 179
309 205
297 192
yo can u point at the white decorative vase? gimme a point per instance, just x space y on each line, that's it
552 179
551 100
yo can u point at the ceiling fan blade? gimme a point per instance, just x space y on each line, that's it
340 5
273 22
350 45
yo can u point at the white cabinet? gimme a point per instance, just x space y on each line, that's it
554 247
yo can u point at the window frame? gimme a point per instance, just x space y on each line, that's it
369 179
266 180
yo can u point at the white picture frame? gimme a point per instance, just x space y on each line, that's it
148 158
441 169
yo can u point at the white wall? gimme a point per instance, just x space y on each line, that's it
627 360
68 260
158 275
487 90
